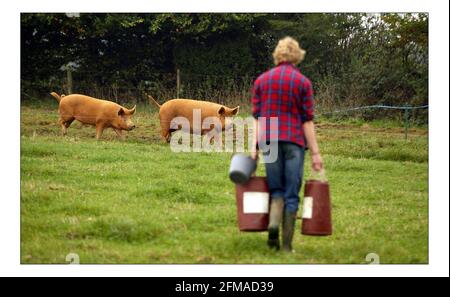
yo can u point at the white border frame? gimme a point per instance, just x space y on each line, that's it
438 123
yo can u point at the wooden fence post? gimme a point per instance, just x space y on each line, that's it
406 121
178 83
69 81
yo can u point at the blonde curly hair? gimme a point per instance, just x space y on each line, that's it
288 50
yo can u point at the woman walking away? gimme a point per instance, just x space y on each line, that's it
285 93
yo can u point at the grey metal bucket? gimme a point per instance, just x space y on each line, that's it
241 168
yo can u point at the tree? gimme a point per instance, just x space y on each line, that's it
352 59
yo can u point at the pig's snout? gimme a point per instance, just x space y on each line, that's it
132 127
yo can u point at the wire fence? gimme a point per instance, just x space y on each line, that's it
377 106
227 90
116 87
406 110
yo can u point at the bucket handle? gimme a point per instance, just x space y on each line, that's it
319 175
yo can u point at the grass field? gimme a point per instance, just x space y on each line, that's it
135 201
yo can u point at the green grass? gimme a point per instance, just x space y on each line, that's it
135 201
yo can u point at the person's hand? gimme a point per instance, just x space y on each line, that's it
255 155
317 163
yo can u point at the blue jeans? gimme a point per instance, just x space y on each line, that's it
286 174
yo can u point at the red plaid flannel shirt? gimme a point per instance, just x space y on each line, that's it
285 93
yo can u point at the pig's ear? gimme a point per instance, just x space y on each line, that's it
133 110
121 112
221 110
235 110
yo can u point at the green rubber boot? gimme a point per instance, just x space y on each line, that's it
276 215
288 230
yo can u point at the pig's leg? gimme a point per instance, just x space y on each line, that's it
166 136
65 123
99 129
63 127
165 131
211 134
119 133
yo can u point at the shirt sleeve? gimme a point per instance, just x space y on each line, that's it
307 102
256 100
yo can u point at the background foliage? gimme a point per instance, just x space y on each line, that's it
352 59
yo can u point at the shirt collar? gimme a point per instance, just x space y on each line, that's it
288 64
285 63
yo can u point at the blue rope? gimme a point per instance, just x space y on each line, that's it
377 106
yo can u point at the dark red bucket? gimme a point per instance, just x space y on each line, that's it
317 209
253 203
